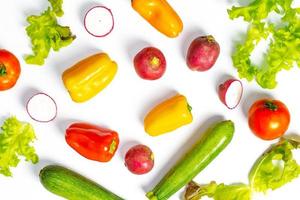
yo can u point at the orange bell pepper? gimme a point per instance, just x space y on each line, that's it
160 15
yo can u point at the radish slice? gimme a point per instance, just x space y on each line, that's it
99 21
230 93
41 108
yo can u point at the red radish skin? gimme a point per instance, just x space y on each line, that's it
139 159
107 32
223 92
31 114
203 53
150 63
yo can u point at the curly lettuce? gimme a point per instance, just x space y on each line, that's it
218 191
15 141
46 34
275 168
284 49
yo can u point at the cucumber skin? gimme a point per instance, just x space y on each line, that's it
73 186
204 151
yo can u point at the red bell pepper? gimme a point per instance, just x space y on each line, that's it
92 142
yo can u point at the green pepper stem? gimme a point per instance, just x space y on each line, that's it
189 107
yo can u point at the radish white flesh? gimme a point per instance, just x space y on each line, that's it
99 21
41 108
230 93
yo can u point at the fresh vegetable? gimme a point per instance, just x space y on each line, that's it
99 21
168 116
9 70
160 15
283 52
15 141
92 142
275 167
218 191
41 108
70 185
57 7
88 77
46 34
213 142
150 63
203 53
268 119
139 159
230 93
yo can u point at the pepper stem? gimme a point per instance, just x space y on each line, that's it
189 107
271 106
112 147
3 70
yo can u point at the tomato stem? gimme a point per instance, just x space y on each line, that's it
3 71
271 106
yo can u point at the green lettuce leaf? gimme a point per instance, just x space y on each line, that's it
57 7
46 34
275 168
218 191
15 141
284 49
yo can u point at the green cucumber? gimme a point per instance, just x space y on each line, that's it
207 149
73 186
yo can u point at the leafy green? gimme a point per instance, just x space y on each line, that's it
57 7
275 168
46 34
284 49
15 140
218 191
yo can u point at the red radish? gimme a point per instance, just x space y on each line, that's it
41 108
139 159
99 21
203 53
150 63
230 93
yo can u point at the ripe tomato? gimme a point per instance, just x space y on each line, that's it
268 119
9 70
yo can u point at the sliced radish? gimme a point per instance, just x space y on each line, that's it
41 108
230 93
99 21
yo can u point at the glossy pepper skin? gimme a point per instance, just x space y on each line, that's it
92 142
88 77
160 15
168 116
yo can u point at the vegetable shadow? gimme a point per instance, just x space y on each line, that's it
154 102
125 146
187 145
63 124
27 93
85 7
188 37
250 98
64 62
36 168
134 46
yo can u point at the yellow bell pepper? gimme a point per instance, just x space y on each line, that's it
160 15
168 116
88 77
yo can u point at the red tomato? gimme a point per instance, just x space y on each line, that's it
9 70
268 119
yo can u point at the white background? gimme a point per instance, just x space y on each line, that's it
123 104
